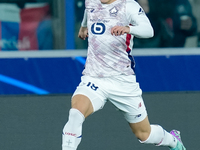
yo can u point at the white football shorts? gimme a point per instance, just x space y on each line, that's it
122 91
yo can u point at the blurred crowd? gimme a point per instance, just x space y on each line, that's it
25 26
174 22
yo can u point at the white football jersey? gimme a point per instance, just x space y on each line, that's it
108 54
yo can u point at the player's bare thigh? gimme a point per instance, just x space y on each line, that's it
83 104
141 129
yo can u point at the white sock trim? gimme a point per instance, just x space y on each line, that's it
156 136
160 137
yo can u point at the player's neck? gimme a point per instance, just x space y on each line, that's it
107 1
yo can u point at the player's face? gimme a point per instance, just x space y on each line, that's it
107 1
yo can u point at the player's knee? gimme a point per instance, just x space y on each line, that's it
76 118
83 104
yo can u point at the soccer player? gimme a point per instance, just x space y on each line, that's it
110 26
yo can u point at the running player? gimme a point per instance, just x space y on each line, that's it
110 26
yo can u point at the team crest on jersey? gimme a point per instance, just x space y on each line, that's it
113 12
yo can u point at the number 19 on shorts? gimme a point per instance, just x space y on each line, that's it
92 86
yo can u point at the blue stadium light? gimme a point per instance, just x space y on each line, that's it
22 85
80 59
69 35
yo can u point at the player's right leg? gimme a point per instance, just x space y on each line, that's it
72 132
87 98
83 104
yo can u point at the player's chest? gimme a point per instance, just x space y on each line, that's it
114 15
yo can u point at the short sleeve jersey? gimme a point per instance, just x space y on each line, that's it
108 55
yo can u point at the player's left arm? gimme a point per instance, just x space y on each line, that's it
140 24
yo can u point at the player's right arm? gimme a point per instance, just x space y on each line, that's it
83 31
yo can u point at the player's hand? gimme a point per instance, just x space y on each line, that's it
120 30
83 33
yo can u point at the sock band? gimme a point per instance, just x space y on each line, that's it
72 131
160 137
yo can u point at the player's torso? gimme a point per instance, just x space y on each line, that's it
107 54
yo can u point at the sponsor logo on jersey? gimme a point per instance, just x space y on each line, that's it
98 28
141 11
99 20
113 12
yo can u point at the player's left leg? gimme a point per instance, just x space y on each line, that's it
154 134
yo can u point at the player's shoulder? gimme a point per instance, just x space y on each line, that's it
92 2
133 6
133 3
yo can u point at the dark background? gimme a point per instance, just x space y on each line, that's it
36 122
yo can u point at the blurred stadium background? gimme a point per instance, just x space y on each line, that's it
41 61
